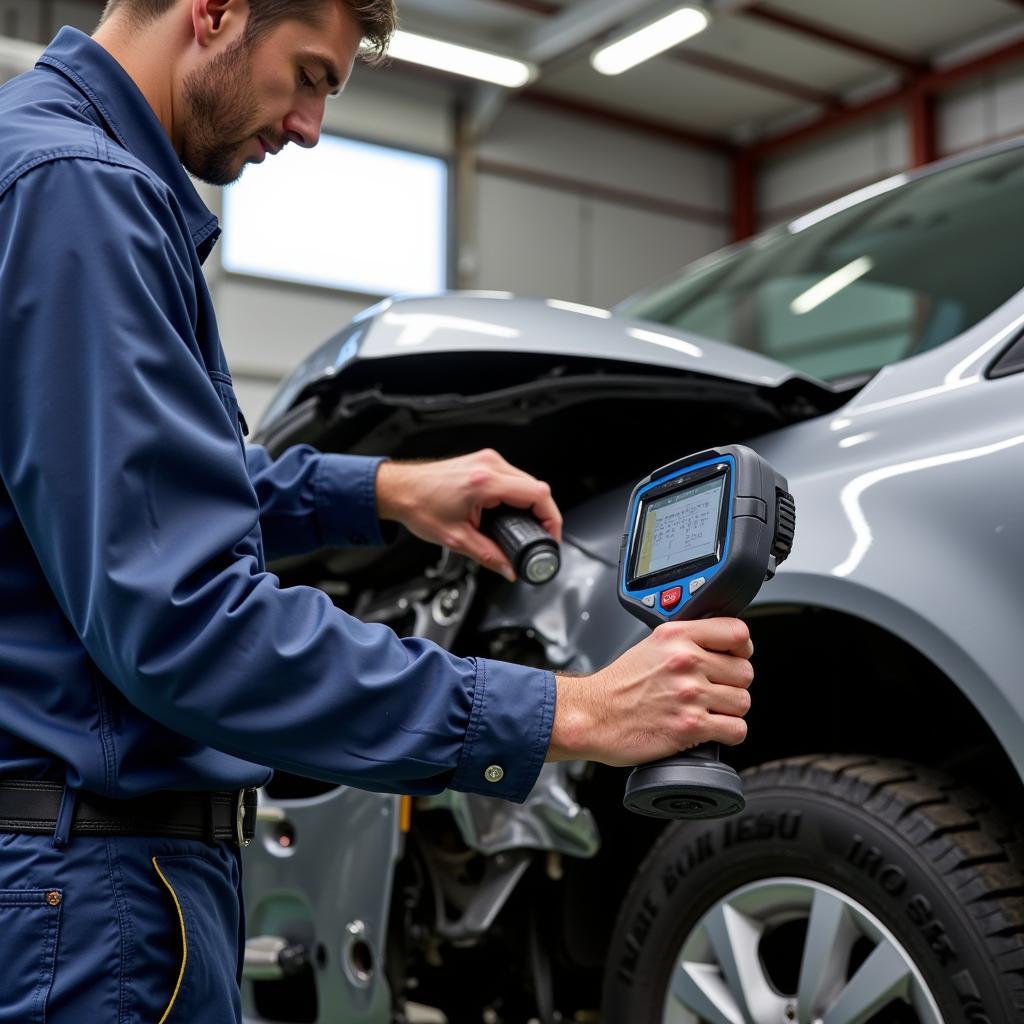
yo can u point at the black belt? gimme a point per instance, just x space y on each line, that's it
32 808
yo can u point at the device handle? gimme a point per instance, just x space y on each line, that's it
694 784
705 752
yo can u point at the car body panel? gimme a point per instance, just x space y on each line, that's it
910 518
329 888
473 323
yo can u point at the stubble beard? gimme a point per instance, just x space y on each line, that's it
221 116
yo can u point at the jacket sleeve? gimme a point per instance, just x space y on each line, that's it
310 500
128 474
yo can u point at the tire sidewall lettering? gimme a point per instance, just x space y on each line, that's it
809 836
698 850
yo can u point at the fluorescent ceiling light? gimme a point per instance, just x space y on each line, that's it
649 41
831 285
460 60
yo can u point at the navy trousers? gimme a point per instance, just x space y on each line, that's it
119 931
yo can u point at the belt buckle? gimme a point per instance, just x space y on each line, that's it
245 830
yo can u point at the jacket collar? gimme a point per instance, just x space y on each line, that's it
132 121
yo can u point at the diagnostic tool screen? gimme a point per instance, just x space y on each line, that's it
680 527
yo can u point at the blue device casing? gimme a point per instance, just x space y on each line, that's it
755 534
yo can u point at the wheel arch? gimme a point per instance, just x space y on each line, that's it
861 672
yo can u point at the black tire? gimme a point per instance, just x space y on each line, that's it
925 857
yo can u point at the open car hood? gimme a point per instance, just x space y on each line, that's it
475 325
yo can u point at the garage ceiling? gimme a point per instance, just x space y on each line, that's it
763 68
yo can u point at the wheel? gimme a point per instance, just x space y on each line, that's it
849 891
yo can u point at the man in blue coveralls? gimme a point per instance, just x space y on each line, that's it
151 670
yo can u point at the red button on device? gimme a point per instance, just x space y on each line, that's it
670 598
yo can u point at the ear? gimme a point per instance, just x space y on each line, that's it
216 20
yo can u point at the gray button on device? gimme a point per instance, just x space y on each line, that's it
696 584
495 773
650 599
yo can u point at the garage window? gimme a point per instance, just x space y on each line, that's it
347 215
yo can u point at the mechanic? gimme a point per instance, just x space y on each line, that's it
151 670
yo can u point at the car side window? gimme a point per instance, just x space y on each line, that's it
843 293
1010 360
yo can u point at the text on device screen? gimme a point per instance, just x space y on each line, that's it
680 527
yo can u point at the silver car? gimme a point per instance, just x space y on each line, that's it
873 351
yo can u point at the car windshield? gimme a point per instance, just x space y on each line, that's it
850 288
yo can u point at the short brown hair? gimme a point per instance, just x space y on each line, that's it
378 19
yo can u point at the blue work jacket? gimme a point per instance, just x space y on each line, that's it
143 643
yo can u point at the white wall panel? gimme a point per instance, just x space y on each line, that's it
16 57
964 119
253 396
19 20
816 172
559 143
633 249
382 107
268 328
538 242
982 112
530 240
1008 104
78 13
894 139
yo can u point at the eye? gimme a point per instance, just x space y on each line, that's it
305 81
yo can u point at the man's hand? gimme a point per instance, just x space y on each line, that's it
684 684
441 502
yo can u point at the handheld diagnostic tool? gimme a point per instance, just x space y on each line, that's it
702 534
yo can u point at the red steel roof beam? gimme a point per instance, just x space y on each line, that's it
626 120
744 199
923 135
544 7
824 34
930 83
753 76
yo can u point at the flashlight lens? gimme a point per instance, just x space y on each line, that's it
541 566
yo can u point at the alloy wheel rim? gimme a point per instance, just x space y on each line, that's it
847 968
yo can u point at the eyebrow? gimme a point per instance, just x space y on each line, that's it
329 67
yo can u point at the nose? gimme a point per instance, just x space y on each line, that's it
302 125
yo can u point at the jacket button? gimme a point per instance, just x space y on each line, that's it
495 773
53 898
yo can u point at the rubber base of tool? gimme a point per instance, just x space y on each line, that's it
684 788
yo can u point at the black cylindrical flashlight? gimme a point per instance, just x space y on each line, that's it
532 551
